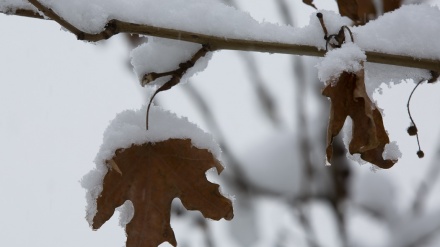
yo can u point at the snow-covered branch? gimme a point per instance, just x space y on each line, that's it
216 42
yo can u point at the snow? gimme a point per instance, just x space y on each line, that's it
377 75
10 6
162 55
348 58
403 31
411 30
54 208
209 17
126 213
392 151
129 128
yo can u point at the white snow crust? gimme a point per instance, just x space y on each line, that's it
126 213
10 6
163 55
416 25
128 128
392 151
405 31
209 17
377 75
348 58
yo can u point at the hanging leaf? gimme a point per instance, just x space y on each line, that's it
310 3
363 11
366 11
390 5
348 8
151 176
349 99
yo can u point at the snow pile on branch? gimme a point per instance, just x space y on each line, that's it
209 17
7 6
405 31
128 128
162 55
416 25
348 58
392 151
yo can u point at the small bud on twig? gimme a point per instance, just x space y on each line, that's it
412 130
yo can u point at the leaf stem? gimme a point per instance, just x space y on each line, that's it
420 152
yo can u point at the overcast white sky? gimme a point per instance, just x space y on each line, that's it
58 94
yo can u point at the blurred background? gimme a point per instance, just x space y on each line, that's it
57 96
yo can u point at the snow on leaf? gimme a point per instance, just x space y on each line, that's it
153 174
349 98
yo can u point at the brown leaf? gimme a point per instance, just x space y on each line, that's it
310 3
366 11
349 98
348 8
390 5
362 11
151 176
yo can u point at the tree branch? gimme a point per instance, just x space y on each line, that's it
114 27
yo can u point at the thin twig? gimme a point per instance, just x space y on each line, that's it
176 75
114 27
420 152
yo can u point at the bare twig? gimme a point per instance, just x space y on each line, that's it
412 130
114 27
176 75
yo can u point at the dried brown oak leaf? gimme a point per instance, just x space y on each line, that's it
310 3
348 8
151 176
362 11
349 99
